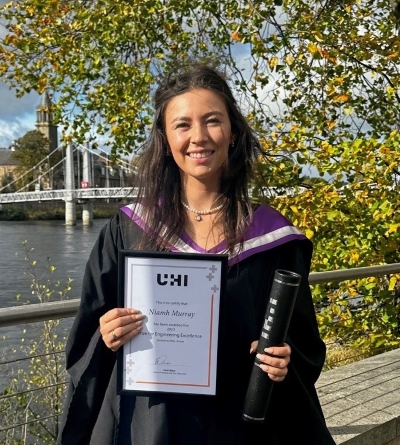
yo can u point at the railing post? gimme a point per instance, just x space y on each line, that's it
87 211
69 181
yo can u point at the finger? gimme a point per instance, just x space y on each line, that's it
118 312
130 321
276 374
123 329
279 351
115 344
276 378
253 347
275 362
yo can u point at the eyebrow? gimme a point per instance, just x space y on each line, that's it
207 115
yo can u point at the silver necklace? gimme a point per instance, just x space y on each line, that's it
202 212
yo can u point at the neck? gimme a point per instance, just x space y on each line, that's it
200 196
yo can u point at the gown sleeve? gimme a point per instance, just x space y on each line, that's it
86 353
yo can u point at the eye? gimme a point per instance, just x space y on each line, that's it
181 125
213 120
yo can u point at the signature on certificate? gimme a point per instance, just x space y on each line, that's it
162 360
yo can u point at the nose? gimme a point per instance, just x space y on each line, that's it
199 133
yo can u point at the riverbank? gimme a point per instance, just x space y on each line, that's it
53 210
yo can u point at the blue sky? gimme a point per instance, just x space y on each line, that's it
17 116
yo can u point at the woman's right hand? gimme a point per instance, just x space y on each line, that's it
119 325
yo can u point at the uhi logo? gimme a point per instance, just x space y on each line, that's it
172 279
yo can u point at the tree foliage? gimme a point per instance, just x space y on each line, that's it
319 81
30 149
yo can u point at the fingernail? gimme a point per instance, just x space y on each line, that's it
269 350
139 323
258 356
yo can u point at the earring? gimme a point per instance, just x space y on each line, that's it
233 144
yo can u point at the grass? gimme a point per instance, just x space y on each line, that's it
338 354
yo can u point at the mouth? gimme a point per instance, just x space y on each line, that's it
200 155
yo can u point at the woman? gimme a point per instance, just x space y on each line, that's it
193 197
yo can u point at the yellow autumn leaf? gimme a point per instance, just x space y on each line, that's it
312 48
41 85
236 36
341 98
330 124
272 62
325 145
393 228
393 56
309 233
318 36
289 59
392 283
355 256
330 89
390 90
339 79
353 292
294 209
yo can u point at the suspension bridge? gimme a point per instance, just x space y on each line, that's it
83 173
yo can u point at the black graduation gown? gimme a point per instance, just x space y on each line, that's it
95 414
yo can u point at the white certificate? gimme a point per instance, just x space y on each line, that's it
176 351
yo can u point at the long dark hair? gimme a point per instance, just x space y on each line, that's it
159 178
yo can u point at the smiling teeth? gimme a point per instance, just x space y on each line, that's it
203 154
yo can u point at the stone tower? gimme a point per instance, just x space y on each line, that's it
44 121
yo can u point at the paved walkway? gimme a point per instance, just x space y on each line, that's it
361 401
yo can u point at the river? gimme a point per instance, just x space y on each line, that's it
53 243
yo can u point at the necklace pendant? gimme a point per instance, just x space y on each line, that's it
198 218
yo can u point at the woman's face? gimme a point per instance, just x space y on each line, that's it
198 132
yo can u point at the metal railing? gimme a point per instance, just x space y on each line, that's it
64 309
54 195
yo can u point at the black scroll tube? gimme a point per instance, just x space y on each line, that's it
276 323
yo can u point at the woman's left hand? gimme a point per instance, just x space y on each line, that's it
275 360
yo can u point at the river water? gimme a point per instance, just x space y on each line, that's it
53 243
65 247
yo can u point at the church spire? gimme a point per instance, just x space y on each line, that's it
44 120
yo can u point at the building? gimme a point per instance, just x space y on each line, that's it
44 121
7 167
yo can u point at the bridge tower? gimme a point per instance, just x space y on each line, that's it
69 180
44 121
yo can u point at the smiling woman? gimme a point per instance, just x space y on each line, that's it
193 198
199 134
198 131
